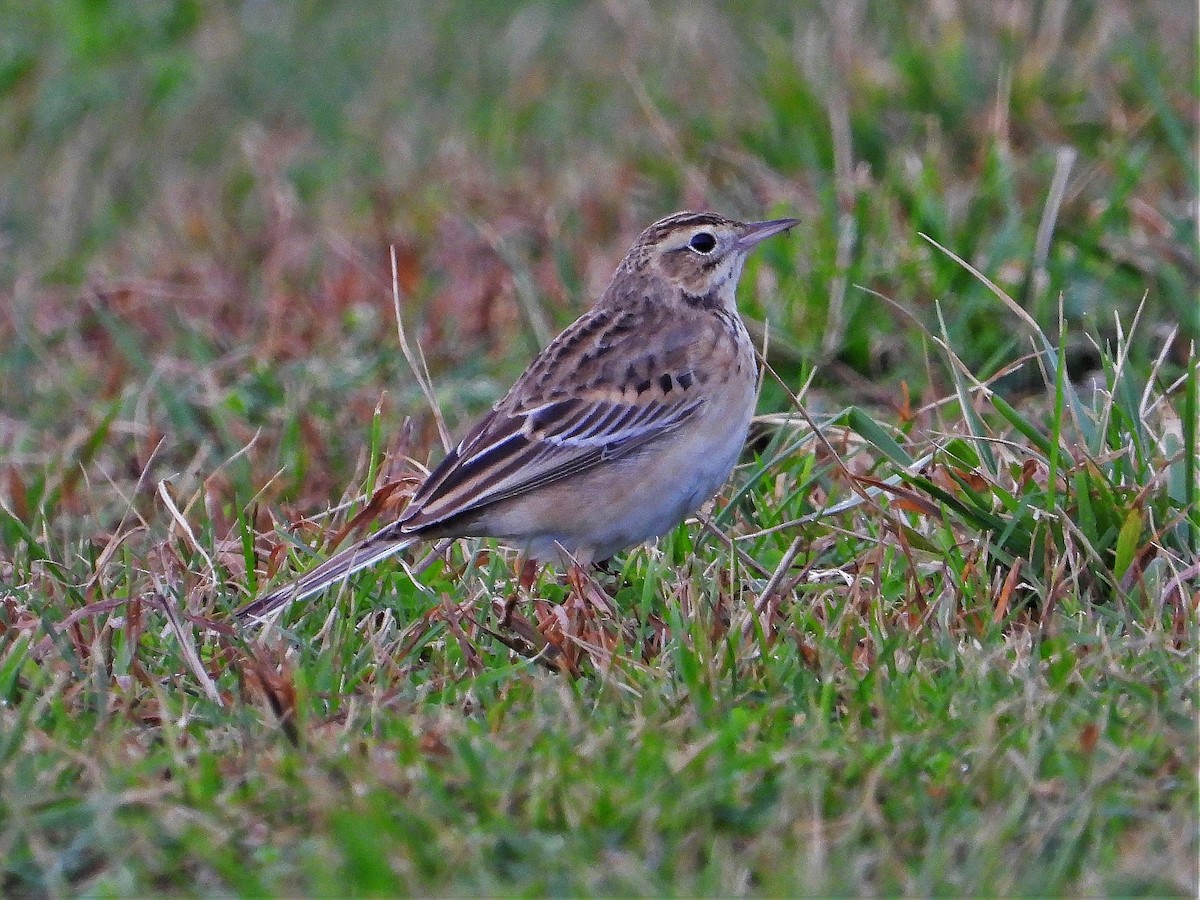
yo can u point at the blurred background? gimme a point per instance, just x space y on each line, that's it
197 202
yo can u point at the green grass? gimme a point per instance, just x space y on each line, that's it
950 647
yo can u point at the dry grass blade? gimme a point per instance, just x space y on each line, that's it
187 645
1016 308
453 614
818 433
1064 159
526 645
381 500
97 608
873 488
523 285
730 544
1002 600
186 528
762 605
274 680
416 360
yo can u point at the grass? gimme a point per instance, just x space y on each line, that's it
945 644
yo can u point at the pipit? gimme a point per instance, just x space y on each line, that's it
623 426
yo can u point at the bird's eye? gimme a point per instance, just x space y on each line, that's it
703 243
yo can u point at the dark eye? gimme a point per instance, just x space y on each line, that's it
703 242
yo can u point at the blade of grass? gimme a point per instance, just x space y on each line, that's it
970 416
1191 416
877 436
1082 422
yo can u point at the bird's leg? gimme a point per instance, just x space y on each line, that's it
577 578
526 575
528 569
588 591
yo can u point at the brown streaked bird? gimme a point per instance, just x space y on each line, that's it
623 426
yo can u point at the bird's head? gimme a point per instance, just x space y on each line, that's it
700 254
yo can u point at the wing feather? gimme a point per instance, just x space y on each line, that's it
542 431
574 437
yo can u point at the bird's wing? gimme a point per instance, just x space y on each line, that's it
520 454
598 392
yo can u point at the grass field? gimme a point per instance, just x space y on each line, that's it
937 636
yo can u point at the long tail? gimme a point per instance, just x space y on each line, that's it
336 568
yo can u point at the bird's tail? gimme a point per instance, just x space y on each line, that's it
336 568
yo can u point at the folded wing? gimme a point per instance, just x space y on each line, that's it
514 452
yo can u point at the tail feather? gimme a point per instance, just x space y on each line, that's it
336 568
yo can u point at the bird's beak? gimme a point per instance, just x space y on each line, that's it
756 232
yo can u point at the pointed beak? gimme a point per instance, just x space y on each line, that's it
755 232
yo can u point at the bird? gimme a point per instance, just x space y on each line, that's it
624 425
